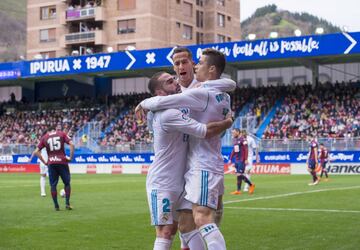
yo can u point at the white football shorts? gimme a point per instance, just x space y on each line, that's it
203 187
163 206
44 169
249 166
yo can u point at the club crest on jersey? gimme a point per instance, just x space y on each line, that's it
185 117
185 110
165 217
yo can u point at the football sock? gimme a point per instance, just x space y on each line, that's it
314 176
194 240
248 177
246 180
212 236
67 194
325 172
42 184
239 180
54 197
162 244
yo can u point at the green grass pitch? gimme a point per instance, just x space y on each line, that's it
111 212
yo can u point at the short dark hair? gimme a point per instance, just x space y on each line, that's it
236 129
215 58
182 49
154 82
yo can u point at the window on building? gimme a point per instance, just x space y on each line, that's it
187 34
221 20
48 35
220 38
126 26
187 9
229 18
48 12
199 19
48 54
178 25
126 4
199 38
126 46
200 2
229 39
220 2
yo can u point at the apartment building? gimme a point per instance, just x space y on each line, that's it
58 28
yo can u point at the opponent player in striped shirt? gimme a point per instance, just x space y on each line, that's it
204 181
54 141
240 153
313 161
165 179
324 159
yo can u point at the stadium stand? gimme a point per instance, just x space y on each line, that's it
326 110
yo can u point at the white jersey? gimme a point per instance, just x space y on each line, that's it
44 156
43 167
207 104
192 85
251 148
170 146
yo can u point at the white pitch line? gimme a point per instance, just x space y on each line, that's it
290 194
294 209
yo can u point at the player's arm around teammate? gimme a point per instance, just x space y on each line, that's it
169 126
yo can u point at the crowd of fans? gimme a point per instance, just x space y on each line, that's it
119 123
324 111
24 127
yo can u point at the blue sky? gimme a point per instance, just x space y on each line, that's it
341 13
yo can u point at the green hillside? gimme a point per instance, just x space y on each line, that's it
269 18
12 18
16 9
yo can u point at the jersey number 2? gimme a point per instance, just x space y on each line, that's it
54 143
166 205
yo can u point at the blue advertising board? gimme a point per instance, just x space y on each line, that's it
146 158
267 49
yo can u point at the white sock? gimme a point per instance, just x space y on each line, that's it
183 243
162 244
213 237
193 239
42 184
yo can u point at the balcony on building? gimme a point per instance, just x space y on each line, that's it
74 14
96 37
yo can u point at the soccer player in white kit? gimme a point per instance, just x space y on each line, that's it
165 182
204 182
44 172
252 147
183 65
